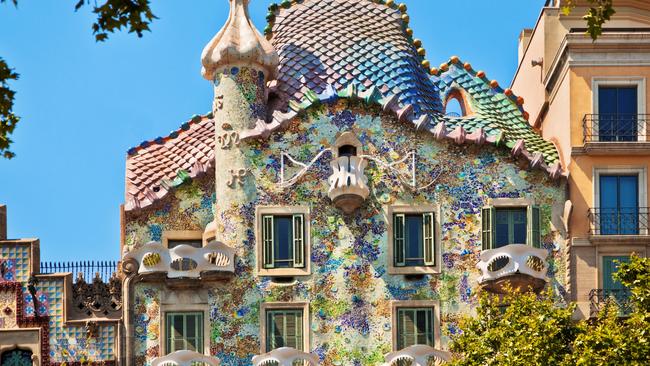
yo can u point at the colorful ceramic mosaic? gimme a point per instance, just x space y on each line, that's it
349 290
17 256
8 310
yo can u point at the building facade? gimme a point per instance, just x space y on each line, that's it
328 204
589 98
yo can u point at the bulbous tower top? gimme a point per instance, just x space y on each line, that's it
239 43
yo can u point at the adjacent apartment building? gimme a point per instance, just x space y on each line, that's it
589 98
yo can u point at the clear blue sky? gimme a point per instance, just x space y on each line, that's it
84 104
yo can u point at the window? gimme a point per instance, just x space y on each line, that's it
453 108
413 239
174 238
184 331
282 237
610 267
196 243
617 113
414 326
510 224
16 357
284 328
619 204
415 322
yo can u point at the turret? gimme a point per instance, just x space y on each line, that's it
239 61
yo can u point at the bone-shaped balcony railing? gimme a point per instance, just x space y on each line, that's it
419 355
185 358
183 260
285 356
521 258
348 184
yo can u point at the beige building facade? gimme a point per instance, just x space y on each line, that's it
590 98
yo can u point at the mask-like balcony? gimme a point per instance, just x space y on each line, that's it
185 358
285 356
348 184
418 355
519 266
183 261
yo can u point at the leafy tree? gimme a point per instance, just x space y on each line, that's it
112 16
598 13
531 330
612 340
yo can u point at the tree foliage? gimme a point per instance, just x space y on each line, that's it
8 120
534 330
597 14
530 330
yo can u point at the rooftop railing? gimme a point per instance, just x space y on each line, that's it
615 127
619 221
620 297
88 269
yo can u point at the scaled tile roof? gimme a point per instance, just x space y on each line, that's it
352 49
154 167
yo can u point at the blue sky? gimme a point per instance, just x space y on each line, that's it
84 104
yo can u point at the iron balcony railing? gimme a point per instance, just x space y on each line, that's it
619 221
599 297
88 269
615 127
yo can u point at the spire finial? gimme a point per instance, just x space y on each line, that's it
239 43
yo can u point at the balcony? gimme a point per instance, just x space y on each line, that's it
418 355
185 358
599 297
286 356
348 184
632 221
183 261
518 266
611 134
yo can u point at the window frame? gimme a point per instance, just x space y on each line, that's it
265 307
504 203
621 81
389 212
182 235
415 304
640 171
262 211
165 328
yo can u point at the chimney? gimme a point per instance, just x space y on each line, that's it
524 40
3 222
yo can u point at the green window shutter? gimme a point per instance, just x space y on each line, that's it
428 238
267 241
298 241
487 227
399 247
533 226
610 266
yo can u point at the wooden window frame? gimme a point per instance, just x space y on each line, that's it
392 210
262 211
306 323
433 304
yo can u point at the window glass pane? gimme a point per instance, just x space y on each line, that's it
510 226
184 332
519 220
283 241
196 243
627 100
414 326
284 329
414 247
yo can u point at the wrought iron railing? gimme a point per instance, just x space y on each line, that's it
88 269
599 297
619 221
615 127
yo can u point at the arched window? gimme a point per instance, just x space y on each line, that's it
453 108
16 357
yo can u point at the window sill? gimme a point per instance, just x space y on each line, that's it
613 148
283 272
620 239
414 270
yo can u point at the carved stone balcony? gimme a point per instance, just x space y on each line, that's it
419 355
185 358
520 266
285 356
183 260
348 184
